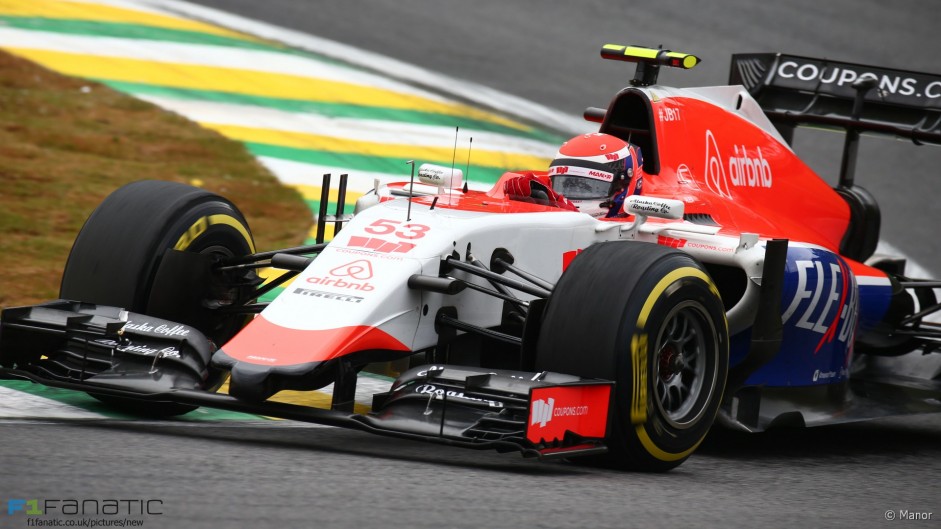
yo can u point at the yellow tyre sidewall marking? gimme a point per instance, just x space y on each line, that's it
203 223
639 345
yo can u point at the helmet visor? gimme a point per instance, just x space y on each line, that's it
580 179
581 187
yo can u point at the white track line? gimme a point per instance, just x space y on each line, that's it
363 130
16 404
244 59
387 66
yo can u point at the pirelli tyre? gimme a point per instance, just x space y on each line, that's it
118 253
651 319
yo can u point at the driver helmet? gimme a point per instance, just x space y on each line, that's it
590 169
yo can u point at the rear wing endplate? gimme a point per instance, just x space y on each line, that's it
796 90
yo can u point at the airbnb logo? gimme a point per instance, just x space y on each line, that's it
716 179
744 169
361 269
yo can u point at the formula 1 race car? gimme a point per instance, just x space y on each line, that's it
737 287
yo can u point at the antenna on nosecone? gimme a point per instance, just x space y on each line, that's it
411 185
470 144
453 158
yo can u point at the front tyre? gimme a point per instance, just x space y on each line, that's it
118 253
651 319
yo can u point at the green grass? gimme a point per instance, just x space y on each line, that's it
66 143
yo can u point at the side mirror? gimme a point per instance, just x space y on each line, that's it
365 202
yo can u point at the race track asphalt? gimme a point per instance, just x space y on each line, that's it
262 475
247 474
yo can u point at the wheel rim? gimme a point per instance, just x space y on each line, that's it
220 327
685 365
226 297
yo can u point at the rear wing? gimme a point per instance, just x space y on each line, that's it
796 90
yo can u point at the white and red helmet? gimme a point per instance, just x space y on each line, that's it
590 168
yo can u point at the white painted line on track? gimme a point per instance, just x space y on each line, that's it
364 130
19 404
205 55
392 68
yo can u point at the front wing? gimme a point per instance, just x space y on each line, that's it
101 350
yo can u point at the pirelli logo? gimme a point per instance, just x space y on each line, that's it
327 295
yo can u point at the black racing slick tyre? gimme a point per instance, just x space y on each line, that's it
118 252
651 319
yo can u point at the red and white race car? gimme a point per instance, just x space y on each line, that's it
733 285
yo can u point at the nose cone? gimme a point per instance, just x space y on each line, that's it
265 357
265 343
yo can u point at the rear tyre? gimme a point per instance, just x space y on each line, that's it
651 319
118 252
